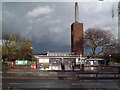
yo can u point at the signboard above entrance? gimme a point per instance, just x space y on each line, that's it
21 62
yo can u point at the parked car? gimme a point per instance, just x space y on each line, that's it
39 65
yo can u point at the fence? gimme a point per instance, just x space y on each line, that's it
114 64
99 75
66 75
7 64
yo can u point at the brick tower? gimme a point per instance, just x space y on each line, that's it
77 35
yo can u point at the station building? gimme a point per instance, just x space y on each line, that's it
53 61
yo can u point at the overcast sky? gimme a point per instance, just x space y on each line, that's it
48 24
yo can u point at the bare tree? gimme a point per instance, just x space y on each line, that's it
113 48
97 38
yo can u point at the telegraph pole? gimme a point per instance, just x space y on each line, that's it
119 21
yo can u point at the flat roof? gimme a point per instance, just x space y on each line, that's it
94 59
44 56
72 57
61 52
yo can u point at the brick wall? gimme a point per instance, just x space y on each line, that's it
77 38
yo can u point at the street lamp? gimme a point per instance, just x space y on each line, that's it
31 47
110 57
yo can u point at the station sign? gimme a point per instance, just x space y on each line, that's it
21 62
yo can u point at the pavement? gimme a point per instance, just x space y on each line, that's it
86 69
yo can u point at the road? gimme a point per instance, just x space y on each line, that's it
38 83
32 79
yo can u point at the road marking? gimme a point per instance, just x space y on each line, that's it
31 72
90 84
29 83
20 72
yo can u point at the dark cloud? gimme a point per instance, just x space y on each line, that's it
48 25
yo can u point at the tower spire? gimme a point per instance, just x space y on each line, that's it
76 12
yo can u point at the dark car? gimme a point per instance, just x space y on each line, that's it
39 65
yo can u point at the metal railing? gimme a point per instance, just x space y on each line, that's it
62 75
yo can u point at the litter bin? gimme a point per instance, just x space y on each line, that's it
12 64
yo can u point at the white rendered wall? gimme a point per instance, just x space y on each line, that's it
41 60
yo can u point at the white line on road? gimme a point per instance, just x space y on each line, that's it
28 83
90 84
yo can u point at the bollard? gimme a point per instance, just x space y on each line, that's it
73 67
119 69
82 67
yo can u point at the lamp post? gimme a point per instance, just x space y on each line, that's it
110 57
31 48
